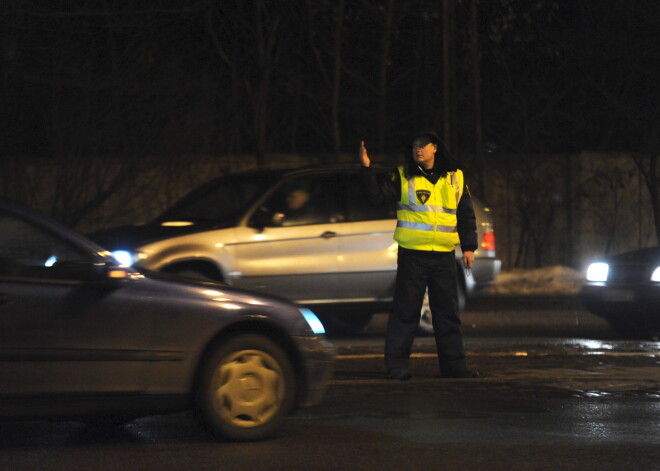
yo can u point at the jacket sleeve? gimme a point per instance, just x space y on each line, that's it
467 222
381 190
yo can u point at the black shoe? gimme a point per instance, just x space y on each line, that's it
465 373
400 374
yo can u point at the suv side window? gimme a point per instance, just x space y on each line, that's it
358 207
27 250
299 201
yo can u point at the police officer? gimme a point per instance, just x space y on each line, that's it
434 215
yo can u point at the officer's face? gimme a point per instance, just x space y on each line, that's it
424 152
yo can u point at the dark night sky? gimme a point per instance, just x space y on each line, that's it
205 77
156 85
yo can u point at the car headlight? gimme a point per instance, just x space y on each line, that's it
656 274
124 257
314 323
598 271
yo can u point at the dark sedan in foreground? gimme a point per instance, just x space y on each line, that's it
83 337
625 290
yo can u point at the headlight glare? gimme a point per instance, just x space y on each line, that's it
598 271
124 257
314 323
656 274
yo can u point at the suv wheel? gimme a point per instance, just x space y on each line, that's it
246 388
198 272
192 275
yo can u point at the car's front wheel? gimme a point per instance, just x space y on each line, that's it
246 388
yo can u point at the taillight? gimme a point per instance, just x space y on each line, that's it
488 241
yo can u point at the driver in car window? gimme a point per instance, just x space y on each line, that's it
296 202
297 210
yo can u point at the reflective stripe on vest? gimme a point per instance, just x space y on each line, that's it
425 207
420 226
430 225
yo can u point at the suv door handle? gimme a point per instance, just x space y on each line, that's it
328 234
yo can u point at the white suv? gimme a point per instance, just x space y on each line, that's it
335 255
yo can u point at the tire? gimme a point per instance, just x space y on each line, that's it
426 317
191 274
246 388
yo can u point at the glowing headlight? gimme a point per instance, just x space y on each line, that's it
598 271
124 257
314 323
656 274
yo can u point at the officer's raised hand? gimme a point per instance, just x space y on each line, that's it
364 157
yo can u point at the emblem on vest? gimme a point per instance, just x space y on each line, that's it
423 195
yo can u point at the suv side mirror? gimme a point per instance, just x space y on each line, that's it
263 218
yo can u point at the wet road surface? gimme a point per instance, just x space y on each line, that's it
542 403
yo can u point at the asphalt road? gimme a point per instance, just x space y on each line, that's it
543 403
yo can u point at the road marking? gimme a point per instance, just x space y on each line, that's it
609 353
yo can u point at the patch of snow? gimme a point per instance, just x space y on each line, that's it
547 280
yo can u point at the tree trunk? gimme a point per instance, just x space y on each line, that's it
476 80
648 166
448 71
336 86
384 67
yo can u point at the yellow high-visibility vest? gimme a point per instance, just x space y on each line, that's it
426 213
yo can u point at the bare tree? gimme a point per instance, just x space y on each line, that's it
476 83
84 70
383 74
448 72
627 94
327 59
650 170
336 77
605 192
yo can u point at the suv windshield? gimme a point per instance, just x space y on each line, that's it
221 199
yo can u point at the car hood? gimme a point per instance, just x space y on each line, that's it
175 286
133 236
232 303
642 256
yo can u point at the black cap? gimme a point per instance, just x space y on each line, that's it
430 135
446 162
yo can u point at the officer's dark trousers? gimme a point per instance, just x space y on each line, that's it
416 271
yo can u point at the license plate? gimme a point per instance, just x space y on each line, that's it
619 295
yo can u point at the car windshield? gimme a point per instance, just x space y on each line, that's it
222 199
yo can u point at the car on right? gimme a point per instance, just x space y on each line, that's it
624 289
